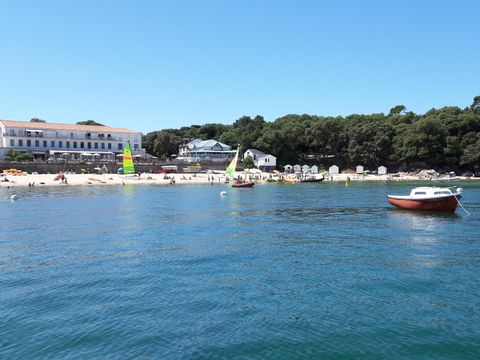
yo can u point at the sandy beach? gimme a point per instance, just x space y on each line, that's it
178 179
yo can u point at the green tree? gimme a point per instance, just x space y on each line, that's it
89 122
397 110
37 120
248 162
14 155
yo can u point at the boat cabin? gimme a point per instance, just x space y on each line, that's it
423 192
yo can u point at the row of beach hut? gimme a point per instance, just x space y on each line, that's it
332 170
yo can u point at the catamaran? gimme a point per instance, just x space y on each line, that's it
128 168
230 171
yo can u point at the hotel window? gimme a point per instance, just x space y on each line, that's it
95 145
29 143
45 143
12 142
120 146
103 145
82 145
20 142
52 144
74 144
60 144
135 146
109 146
71 135
12 132
37 143
89 145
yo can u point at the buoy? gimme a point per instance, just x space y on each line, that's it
223 193
13 197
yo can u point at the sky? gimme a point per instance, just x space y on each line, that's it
151 65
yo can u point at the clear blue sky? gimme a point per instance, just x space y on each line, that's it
150 65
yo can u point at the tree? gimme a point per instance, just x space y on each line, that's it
37 120
89 122
248 162
397 110
476 103
14 155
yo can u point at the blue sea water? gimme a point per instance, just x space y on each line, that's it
272 272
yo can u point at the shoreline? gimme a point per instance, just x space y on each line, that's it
45 180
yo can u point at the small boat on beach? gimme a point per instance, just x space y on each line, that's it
312 179
428 199
243 184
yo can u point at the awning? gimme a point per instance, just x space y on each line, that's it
80 152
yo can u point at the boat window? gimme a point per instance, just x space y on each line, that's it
442 192
420 193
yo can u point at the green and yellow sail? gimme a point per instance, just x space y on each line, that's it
128 160
231 168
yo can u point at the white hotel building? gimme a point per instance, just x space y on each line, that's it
47 140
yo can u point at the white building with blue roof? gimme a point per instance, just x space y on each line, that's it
211 149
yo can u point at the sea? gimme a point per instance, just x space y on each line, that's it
305 271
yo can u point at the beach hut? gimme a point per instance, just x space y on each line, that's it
297 168
333 170
288 168
305 168
314 169
382 170
359 169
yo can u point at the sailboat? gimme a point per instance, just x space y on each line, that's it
230 171
128 168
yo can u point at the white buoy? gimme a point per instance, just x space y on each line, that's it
13 197
223 193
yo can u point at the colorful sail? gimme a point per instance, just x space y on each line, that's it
231 168
128 160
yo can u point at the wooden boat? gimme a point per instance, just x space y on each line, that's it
428 199
290 179
243 184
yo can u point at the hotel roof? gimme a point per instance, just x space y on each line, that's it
53 126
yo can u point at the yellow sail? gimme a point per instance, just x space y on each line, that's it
231 168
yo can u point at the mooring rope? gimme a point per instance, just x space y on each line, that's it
459 203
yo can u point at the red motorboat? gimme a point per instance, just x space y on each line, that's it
243 184
428 199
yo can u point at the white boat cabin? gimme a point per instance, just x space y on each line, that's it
430 192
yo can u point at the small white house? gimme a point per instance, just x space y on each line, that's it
297 168
382 170
305 168
359 169
314 169
333 170
262 161
288 168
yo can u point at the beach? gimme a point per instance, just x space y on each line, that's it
53 180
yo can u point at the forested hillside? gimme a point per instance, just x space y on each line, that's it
448 137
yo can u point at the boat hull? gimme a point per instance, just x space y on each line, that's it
243 185
444 203
312 180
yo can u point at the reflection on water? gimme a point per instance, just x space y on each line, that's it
315 271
